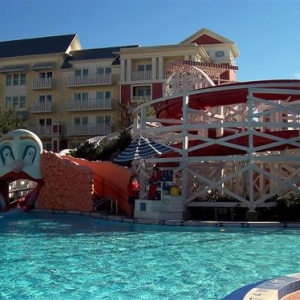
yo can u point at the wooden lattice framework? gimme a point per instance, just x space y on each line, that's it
261 135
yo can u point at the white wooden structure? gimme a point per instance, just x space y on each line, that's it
235 145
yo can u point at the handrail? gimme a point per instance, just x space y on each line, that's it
105 199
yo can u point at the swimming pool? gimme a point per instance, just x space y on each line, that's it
59 256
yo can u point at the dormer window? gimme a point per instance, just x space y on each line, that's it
220 54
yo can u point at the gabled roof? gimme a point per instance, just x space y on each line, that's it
37 46
97 53
207 37
208 33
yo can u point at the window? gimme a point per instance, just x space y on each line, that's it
104 95
141 93
22 79
15 79
103 120
8 103
143 68
220 54
77 120
81 96
81 120
144 92
8 80
104 70
44 98
45 122
45 75
22 102
81 72
47 146
15 102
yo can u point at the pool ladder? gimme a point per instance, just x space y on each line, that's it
104 200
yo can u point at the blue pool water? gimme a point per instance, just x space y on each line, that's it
53 256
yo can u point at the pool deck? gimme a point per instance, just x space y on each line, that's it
187 223
195 223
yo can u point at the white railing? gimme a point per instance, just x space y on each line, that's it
140 98
89 80
89 104
46 106
42 83
40 130
89 129
141 75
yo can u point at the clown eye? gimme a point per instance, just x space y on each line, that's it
29 155
7 156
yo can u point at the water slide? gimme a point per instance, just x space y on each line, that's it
225 95
62 182
109 180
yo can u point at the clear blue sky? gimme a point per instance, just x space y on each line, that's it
266 32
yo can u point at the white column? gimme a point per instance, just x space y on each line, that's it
154 68
122 75
160 68
128 70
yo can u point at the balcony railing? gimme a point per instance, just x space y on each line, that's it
140 98
89 80
89 129
42 83
40 107
89 104
141 75
41 131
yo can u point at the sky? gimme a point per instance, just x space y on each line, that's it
266 32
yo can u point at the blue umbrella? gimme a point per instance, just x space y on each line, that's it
142 148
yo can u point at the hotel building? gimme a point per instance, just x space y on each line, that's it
67 94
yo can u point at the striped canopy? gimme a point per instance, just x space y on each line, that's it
142 148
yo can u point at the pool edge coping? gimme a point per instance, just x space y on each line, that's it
185 223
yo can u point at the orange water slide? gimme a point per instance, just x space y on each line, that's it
109 179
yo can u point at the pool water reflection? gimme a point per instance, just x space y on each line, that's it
59 256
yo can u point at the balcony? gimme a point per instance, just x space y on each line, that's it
141 75
42 107
140 98
42 83
74 81
41 131
89 129
90 104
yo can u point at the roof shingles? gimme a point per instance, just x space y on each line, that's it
36 46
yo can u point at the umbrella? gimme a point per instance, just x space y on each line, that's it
142 148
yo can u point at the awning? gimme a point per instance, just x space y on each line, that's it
17 68
43 66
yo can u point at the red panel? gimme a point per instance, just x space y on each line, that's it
206 39
56 128
125 94
157 90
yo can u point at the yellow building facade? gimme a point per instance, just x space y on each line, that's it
66 94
